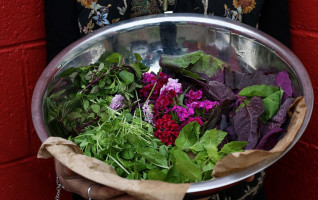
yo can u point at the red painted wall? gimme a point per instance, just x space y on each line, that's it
22 56
295 175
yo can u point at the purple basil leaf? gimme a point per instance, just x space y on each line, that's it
240 80
219 77
275 122
246 122
284 97
231 133
280 117
219 91
283 81
263 128
270 139
215 116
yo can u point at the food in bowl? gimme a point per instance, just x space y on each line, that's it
172 126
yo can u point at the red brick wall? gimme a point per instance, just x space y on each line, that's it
22 57
295 175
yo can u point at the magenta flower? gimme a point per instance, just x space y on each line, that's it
148 78
210 104
117 102
171 85
183 113
206 104
193 96
196 104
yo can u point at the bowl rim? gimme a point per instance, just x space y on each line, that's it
285 53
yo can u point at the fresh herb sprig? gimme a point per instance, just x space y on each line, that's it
135 154
71 110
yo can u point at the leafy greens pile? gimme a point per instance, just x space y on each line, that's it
101 107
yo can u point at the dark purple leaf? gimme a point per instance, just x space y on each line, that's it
214 90
284 97
219 77
219 91
215 116
240 80
231 133
270 139
280 117
282 80
246 122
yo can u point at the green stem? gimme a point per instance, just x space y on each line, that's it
139 107
151 92
119 164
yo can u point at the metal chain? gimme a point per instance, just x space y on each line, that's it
58 188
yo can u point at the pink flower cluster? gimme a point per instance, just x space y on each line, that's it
206 104
182 112
167 110
192 104
193 96
172 85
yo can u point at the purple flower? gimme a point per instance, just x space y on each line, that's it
210 104
148 78
171 85
196 104
183 113
206 104
117 102
147 110
193 96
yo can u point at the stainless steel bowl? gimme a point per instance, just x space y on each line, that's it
242 46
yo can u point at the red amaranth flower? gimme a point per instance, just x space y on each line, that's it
149 78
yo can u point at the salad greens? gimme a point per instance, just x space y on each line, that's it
157 127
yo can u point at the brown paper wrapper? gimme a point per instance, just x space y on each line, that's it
71 156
